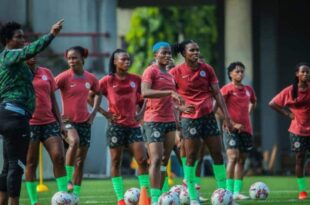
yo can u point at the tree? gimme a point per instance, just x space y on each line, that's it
172 24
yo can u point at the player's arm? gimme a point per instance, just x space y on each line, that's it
55 110
281 110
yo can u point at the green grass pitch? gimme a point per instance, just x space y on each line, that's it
283 190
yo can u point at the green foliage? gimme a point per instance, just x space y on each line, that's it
172 24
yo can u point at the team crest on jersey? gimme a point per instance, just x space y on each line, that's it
203 73
132 84
44 77
87 85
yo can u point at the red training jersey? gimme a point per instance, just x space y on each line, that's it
123 97
195 87
44 84
300 107
238 100
158 109
74 93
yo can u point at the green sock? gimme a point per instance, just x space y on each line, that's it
32 192
118 187
77 190
165 185
220 175
69 170
144 181
301 182
190 173
196 178
155 194
230 185
238 186
62 183
183 159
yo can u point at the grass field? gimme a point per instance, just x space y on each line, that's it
283 190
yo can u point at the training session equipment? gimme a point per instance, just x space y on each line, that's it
184 197
259 190
61 198
131 196
222 197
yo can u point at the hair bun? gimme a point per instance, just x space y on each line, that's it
85 52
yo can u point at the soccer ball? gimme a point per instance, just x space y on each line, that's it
75 200
176 189
259 190
165 199
61 198
131 196
184 197
222 197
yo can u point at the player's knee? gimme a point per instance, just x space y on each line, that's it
233 158
156 161
142 161
58 159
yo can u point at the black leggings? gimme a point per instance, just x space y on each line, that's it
15 131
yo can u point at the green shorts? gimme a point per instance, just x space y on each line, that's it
83 129
43 132
202 127
156 131
241 141
119 135
299 143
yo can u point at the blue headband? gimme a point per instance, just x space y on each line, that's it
160 44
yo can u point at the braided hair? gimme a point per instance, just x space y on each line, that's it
82 51
112 67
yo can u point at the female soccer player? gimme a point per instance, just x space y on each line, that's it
123 92
197 83
240 100
296 98
17 103
45 127
159 121
75 85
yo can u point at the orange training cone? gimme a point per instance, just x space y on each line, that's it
144 200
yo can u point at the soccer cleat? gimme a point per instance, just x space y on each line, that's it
240 197
121 202
195 202
70 187
303 195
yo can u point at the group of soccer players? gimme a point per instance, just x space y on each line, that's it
186 96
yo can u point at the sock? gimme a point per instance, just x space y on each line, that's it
220 175
196 178
301 182
238 186
183 159
155 194
230 185
62 183
190 173
69 170
165 185
77 190
118 187
32 192
144 181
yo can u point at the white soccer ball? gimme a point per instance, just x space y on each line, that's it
177 189
61 198
75 200
168 198
132 196
184 197
259 190
222 197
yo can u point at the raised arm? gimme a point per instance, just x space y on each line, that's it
18 55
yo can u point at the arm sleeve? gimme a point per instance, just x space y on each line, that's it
148 76
103 86
281 98
19 55
212 76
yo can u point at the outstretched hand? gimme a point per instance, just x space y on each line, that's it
57 27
